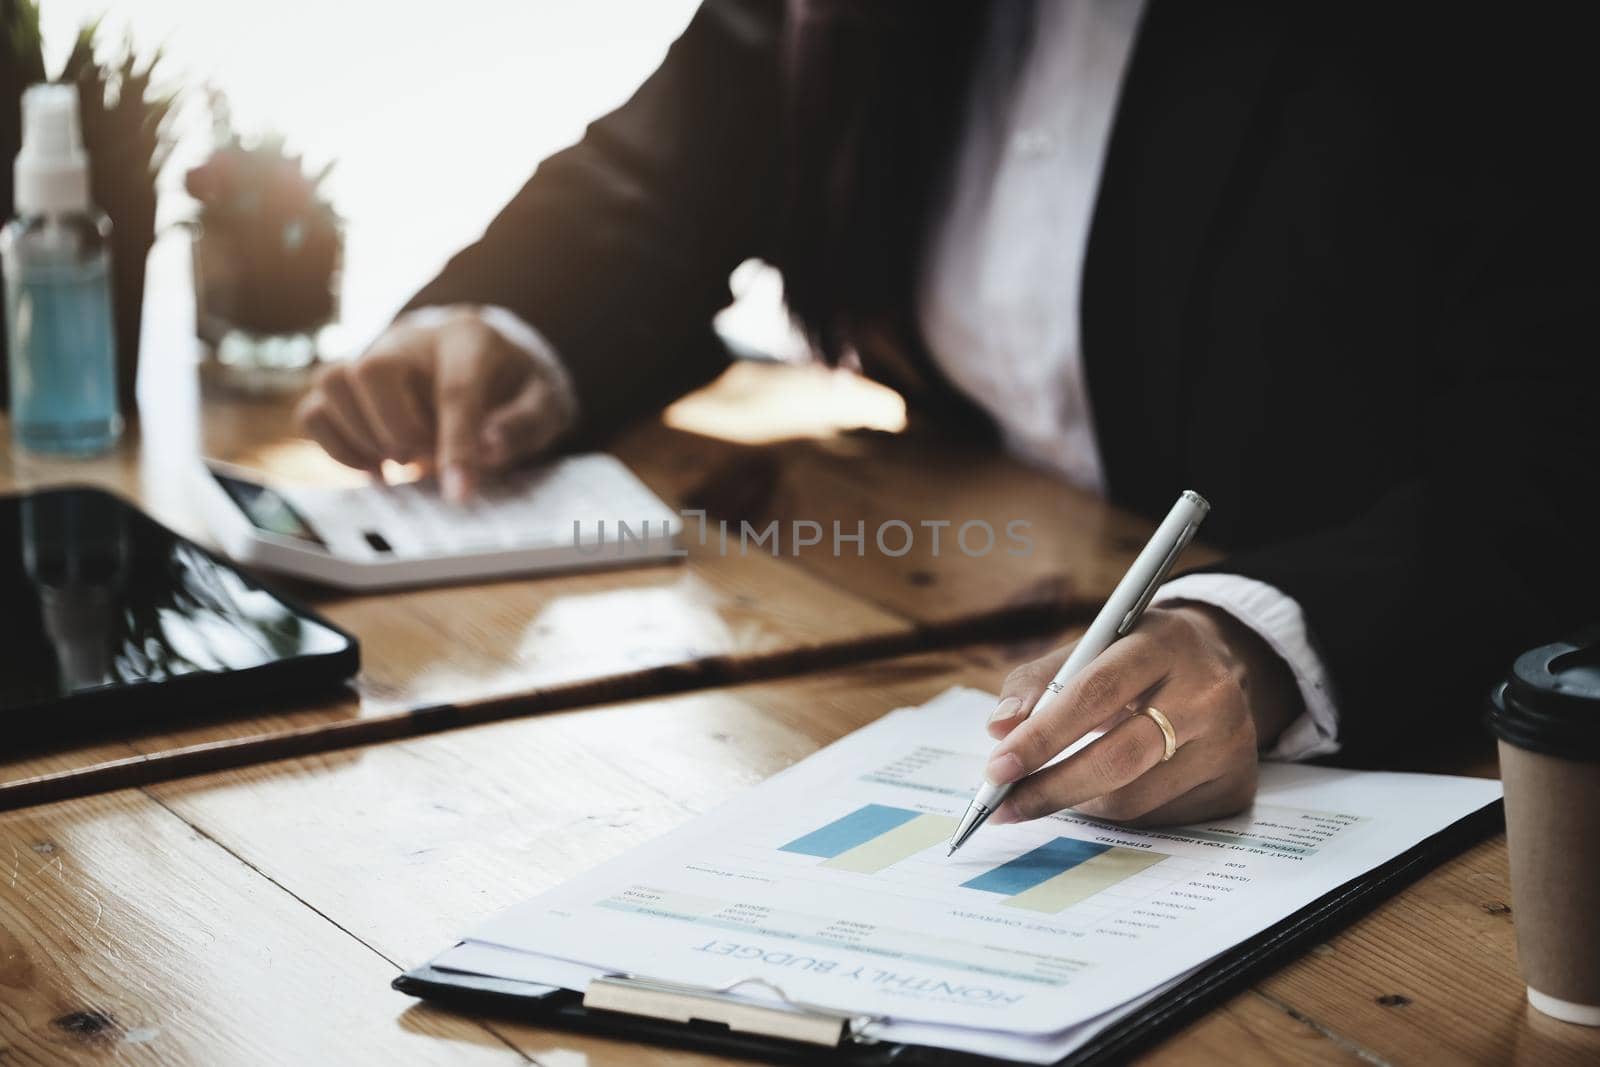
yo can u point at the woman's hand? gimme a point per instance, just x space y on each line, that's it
452 394
1224 691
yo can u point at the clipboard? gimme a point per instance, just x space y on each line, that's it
698 1020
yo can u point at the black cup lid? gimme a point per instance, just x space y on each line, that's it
1551 701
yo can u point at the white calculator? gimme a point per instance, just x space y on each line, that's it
577 513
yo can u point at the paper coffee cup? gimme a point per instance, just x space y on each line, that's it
1547 717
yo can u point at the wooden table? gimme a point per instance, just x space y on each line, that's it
258 914
765 444
237 906
728 613
512 646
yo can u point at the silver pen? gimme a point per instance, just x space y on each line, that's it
1121 611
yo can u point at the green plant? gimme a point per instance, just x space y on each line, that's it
126 130
257 183
270 241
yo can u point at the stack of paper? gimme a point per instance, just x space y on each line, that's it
828 886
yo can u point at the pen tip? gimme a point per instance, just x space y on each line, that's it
952 852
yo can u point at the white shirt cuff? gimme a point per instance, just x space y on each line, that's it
1277 618
519 334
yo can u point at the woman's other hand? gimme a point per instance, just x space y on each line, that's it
450 392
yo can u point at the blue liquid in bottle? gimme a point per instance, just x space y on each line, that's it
62 346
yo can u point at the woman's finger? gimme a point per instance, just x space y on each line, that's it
463 385
322 428
1122 673
342 409
392 407
1126 757
1022 687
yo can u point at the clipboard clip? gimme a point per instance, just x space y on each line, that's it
678 1002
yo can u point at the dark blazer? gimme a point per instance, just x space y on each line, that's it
1341 280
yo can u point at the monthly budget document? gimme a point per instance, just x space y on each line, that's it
830 882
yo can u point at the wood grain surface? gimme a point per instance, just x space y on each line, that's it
436 657
405 845
126 935
396 848
1431 976
732 611
257 914
365 861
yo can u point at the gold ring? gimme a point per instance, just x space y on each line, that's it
1169 739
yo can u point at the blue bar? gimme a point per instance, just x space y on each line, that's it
1040 865
857 828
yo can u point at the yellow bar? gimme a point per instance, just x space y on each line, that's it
890 848
1085 880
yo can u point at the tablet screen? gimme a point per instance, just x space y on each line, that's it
97 597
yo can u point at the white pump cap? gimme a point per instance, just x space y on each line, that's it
52 170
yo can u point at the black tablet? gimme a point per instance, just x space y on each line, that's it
109 618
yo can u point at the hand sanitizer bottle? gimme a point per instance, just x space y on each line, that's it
58 288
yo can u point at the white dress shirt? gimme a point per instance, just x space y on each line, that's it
998 305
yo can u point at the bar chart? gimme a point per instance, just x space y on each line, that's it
1062 872
873 837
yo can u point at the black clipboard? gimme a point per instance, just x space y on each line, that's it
706 1020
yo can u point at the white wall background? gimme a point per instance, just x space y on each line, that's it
435 112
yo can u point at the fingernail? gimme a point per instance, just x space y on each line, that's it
453 480
1003 769
1007 709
